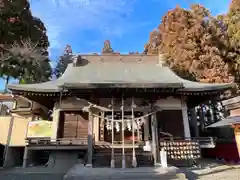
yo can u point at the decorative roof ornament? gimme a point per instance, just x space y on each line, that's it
76 60
107 47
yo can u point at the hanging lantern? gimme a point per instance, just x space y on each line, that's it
129 126
142 120
135 126
117 126
108 125
138 123
125 124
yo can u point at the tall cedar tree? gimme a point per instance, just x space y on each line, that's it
232 22
23 40
195 44
63 61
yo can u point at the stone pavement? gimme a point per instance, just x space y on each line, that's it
211 172
216 172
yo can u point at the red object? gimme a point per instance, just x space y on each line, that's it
227 151
12 20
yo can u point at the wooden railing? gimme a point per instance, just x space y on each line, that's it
58 141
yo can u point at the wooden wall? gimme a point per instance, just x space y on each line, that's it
73 124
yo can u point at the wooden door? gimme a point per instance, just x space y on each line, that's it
75 125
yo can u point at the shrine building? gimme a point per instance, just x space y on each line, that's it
113 110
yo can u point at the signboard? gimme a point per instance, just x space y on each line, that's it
40 128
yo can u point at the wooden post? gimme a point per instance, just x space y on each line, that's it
146 133
123 145
186 127
112 159
194 123
134 160
25 157
9 138
157 140
146 128
90 140
154 147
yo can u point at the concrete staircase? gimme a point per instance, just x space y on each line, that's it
142 173
102 157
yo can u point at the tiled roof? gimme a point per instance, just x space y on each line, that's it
119 71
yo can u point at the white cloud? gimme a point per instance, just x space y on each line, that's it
65 16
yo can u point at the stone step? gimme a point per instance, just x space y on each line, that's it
142 173
100 160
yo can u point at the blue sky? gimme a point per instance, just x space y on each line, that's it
85 24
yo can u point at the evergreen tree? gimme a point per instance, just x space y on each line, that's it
195 43
23 43
232 22
63 61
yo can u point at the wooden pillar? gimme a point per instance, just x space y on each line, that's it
25 157
147 146
194 122
185 118
8 142
123 141
202 118
154 147
55 123
112 125
96 128
90 140
157 140
146 128
134 160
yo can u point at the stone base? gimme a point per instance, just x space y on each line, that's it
112 163
123 162
134 162
88 165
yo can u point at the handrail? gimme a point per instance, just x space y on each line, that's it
57 141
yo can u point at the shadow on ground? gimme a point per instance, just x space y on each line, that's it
32 173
